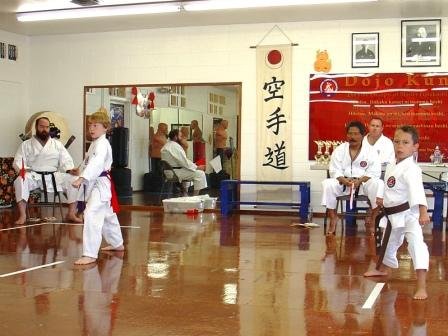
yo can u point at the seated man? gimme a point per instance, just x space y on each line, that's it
173 153
42 153
352 165
382 144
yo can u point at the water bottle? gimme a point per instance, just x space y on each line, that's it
437 156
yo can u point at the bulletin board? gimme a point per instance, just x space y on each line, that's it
418 99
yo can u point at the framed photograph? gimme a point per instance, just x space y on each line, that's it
185 130
420 43
365 50
117 115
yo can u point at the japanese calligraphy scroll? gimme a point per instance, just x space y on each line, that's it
419 99
274 113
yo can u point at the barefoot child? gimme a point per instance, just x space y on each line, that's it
406 208
99 217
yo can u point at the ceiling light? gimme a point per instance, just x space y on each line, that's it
237 4
98 11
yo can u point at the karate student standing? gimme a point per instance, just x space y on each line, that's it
406 208
99 216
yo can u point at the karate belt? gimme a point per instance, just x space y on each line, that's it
44 183
344 188
382 243
114 199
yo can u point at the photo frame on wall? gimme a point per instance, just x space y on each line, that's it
117 115
421 43
365 50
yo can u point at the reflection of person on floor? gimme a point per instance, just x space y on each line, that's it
341 292
42 153
99 289
405 203
175 156
388 321
352 166
99 216
157 142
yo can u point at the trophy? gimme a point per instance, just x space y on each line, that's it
326 155
318 156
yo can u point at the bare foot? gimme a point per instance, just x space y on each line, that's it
85 260
20 221
111 248
374 273
420 294
73 219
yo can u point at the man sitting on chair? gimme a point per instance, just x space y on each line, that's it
352 166
175 156
42 153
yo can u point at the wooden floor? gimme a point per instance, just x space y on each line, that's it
207 275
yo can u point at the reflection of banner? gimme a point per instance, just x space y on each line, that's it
274 113
419 99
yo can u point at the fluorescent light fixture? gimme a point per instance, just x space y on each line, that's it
98 11
238 4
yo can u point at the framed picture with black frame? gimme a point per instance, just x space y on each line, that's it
365 50
421 43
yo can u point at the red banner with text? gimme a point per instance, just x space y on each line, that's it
418 99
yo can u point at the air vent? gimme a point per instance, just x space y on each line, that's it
86 3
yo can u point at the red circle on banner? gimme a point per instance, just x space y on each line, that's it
274 57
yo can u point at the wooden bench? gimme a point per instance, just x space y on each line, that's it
229 198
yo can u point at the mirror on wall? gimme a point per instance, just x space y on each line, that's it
142 114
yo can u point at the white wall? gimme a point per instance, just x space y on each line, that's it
62 65
14 93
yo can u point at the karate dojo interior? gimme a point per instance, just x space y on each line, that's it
246 271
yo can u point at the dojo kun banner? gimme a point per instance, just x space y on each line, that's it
418 99
274 113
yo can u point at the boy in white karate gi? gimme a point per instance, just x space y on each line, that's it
404 192
99 216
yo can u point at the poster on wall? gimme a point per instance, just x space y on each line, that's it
418 99
117 115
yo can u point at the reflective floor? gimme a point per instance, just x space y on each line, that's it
204 275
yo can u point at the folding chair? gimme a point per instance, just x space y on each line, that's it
347 213
170 181
44 191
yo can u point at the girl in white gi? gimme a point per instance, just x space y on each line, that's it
99 217
404 186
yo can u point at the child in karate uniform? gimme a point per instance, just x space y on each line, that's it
404 186
99 217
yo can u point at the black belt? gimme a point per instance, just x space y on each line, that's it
396 209
381 245
177 167
44 184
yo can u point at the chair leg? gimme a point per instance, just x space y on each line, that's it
325 221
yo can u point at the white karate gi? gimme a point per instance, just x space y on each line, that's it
173 153
99 217
384 147
403 183
366 163
52 157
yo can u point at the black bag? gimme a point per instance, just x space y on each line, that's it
216 178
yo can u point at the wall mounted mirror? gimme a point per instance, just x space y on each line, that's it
142 112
